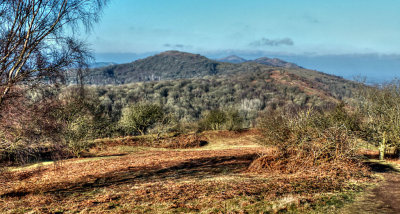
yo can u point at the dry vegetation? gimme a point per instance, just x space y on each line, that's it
214 178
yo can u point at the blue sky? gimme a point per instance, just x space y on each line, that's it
311 26
266 27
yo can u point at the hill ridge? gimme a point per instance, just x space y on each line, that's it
172 65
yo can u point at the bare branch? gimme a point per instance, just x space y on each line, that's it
26 51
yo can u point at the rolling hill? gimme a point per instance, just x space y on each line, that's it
172 65
164 66
188 85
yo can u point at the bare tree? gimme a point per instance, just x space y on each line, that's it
381 105
37 43
38 47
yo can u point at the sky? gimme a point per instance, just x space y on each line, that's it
289 29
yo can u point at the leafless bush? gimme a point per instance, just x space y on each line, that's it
29 129
52 126
307 138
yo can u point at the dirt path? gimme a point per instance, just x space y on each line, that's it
383 198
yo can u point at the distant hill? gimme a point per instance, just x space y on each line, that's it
164 66
171 65
175 65
275 62
190 84
232 59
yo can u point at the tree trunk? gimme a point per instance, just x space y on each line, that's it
3 95
398 152
382 147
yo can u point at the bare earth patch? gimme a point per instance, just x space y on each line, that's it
381 198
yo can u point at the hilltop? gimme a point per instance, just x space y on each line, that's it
163 66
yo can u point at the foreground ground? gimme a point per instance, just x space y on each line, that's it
384 197
210 179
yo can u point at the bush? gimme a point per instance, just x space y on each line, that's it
164 125
219 120
78 133
83 120
140 117
214 120
308 137
234 121
30 129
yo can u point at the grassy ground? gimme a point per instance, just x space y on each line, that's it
135 179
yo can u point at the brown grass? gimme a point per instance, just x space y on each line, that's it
277 163
170 141
170 181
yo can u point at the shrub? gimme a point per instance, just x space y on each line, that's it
83 120
213 120
221 120
140 117
307 137
164 125
30 128
234 121
78 133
